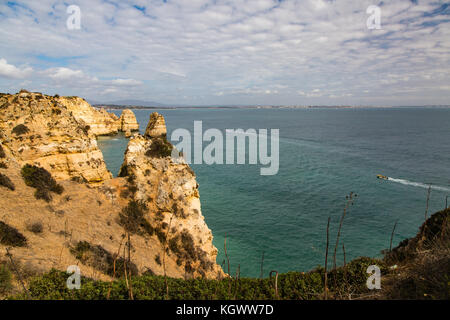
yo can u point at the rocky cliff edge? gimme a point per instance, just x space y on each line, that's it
89 216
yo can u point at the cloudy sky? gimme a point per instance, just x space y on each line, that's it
201 52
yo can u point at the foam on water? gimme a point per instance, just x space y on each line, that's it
418 184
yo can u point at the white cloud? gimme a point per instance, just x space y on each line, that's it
126 82
65 74
312 94
239 48
10 71
109 91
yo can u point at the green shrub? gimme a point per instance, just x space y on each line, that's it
158 259
5 279
86 129
131 178
6 182
10 236
160 234
102 260
35 227
80 249
2 152
42 181
291 285
173 245
159 148
20 129
125 193
188 244
132 189
132 219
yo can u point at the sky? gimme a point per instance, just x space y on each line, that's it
229 52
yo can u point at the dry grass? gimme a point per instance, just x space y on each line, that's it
423 262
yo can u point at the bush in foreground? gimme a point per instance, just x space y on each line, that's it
5 279
292 285
102 260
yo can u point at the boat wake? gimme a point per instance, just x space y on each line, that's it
418 184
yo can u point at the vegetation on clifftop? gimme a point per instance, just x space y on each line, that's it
42 181
10 236
20 129
132 218
159 148
418 268
292 285
6 182
2 152
102 260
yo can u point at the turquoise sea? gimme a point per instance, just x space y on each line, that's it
324 155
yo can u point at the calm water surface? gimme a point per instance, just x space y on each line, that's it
324 155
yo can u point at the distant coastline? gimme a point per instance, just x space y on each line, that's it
137 107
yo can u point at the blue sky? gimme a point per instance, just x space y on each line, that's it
202 52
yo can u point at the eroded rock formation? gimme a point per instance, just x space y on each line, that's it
100 121
43 131
155 201
169 187
156 126
128 121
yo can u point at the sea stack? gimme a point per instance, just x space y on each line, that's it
128 121
156 126
171 191
84 212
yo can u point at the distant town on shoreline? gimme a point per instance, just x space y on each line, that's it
140 107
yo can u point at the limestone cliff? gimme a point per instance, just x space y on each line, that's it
155 201
41 130
156 126
169 187
100 121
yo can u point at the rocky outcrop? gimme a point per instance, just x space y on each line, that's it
169 188
156 126
100 122
128 121
155 201
41 130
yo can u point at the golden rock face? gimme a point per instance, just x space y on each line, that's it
100 121
44 131
59 134
156 126
171 191
128 121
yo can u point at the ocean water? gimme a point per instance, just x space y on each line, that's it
324 155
